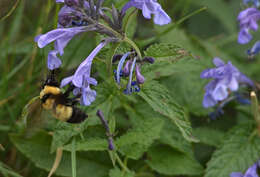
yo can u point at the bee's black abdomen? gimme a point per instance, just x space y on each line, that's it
78 116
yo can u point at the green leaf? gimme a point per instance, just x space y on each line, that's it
209 136
165 52
90 144
168 161
117 173
63 132
167 58
158 97
240 150
172 136
226 16
137 140
37 149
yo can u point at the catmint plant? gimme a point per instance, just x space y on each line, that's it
80 16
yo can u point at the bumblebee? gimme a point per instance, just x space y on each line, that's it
62 107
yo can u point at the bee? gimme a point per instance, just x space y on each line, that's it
62 107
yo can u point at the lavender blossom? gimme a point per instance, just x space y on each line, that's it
248 21
251 172
62 36
148 8
53 61
254 50
82 79
226 78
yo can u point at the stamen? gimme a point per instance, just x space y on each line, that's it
120 66
129 89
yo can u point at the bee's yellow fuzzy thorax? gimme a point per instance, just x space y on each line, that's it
50 90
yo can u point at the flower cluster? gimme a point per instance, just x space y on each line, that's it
251 171
127 71
226 79
79 16
248 19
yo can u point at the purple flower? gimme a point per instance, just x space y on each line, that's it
248 21
251 172
53 61
148 8
139 77
82 79
131 67
254 50
62 36
226 78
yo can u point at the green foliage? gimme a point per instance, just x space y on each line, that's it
168 161
5 170
209 136
238 152
161 131
117 173
136 141
158 97
37 149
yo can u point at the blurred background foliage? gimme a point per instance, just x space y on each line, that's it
162 151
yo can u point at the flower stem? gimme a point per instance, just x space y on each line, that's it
121 163
124 38
130 42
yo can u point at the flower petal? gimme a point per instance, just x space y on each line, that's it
161 18
236 174
66 81
53 61
218 62
85 67
88 96
60 33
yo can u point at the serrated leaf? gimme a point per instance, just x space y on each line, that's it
158 97
64 131
37 149
240 150
117 173
137 140
168 161
165 52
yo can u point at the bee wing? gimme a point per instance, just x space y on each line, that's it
32 118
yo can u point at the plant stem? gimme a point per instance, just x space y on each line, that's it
121 163
124 38
73 158
130 42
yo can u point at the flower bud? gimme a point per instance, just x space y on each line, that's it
139 77
126 70
149 59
